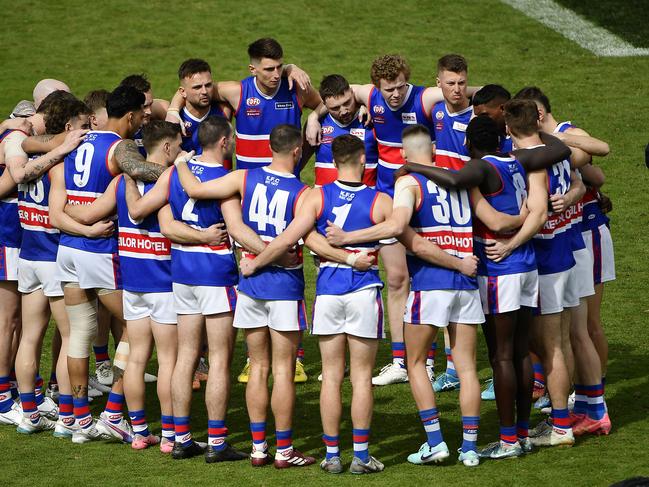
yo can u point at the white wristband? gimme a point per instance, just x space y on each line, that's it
352 258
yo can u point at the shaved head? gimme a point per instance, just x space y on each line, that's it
416 141
46 86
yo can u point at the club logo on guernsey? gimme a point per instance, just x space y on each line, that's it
327 129
272 180
347 195
439 115
253 101
360 133
283 105
409 118
378 109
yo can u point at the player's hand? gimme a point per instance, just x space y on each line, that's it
605 203
404 170
558 203
72 140
101 229
313 130
469 266
364 116
19 123
336 236
215 234
364 261
184 157
289 259
497 249
247 267
300 77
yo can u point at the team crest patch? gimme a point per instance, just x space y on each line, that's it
253 101
439 115
378 109
327 129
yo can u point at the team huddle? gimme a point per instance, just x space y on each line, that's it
167 225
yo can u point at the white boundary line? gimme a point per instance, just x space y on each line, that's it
591 37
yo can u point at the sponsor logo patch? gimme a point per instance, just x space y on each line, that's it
283 105
459 126
409 118
253 112
360 133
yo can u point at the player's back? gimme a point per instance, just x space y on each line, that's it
350 208
143 250
268 207
200 264
87 175
450 136
444 217
257 115
325 171
509 199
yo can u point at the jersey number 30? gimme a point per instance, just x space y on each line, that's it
262 212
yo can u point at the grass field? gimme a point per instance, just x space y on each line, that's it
94 45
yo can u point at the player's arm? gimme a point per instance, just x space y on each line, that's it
101 208
474 172
18 123
593 175
215 189
537 204
561 202
433 95
405 196
41 144
295 74
181 233
578 138
141 206
240 232
7 185
495 220
59 219
540 158
127 159
22 169
159 109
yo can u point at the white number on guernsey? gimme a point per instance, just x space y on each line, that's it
188 214
562 171
35 189
82 164
341 212
520 187
264 213
459 207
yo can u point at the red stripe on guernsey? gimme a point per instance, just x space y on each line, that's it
360 438
447 161
75 199
181 429
34 217
282 442
450 240
80 412
144 244
217 431
480 230
253 147
321 204
564 423
390 153
376 197
258 436
558 222
590 196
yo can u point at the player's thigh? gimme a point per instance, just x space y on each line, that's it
332 352
140 338
258 345
165 337
394 262
362 356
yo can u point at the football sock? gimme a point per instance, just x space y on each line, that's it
6 400
38 390
399 354
114 407
450 366
581 400
167 424
508 435
138 422
430 359
284 440
522 429
28 403
470 433
183 430
82 412
66 410
430 420
258 431
561 419
539 374
361 444
596 409
101 354
331 442
216 434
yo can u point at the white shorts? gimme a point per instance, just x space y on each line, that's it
359 313
9 263
89 269
278 315
600 244
443 306
581 274
555 293
502 294
204 300
37 274
157 306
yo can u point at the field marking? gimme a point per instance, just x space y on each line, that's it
591 37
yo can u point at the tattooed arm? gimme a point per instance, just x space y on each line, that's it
40 144
127 158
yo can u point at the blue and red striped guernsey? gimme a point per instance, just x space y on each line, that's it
508 200
349 207
388 126
444 217
200 264
325 171
450 136
190 140
143 250
40 240
10 230
257 115
268 207
87 176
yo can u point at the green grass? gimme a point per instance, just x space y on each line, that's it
95 45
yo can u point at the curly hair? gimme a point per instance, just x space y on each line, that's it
389 67
61 112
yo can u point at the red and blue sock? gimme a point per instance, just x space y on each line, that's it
216 434
53 381
508 435
522 429
30 410
38 390
14 384
581 400
284 440
561 419
82 412
331 442
114 407
399 354
470 425
66 409
101 354
300 351
450 366
539 374
6 401
258 432
138 422
596 408
183 430
361 439
430 359
167 424
430 420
